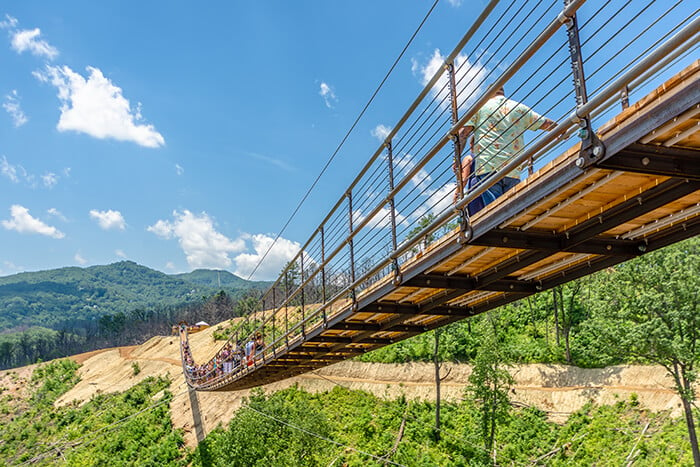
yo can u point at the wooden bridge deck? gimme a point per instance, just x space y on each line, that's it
562 223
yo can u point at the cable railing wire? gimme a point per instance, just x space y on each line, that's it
642 53
629 44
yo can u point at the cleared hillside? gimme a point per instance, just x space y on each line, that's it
555 389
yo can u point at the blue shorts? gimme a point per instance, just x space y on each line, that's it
490 195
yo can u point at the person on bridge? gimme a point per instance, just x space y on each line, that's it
496 131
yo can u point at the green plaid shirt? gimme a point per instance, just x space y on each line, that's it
498 132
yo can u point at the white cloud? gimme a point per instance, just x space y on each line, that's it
162 228
471 84
421 179
79 259
179 169
120 253
17 173
381 132
280 253
328 95
96 106
381 220
23 222
50 179
273 161
109 219
11 105
202 244
470 79
8 170
56 213
455 3
29 40
442 199
9 268
170 266
9 22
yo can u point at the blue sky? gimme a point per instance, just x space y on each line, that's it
182 136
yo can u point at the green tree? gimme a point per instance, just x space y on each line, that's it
489 384
437 366
248 304
422 223
648 308
269 430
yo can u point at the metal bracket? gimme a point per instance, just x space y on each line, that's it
457 164
625 97
465 228
592 149
398 277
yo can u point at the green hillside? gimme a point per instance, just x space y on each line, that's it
59 297
337 427
220 280
50 314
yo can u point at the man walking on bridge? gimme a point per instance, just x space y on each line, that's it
496 131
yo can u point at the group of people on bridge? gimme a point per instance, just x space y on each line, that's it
230 359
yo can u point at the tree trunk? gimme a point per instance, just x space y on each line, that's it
566 321
688 410
436 363
492 428
567 346
556 314
532 317
691 431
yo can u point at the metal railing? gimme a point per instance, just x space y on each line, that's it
577 64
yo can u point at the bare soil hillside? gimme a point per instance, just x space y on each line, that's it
557 389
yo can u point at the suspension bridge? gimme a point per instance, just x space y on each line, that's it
399 254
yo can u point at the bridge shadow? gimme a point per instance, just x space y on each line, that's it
589 381
198 425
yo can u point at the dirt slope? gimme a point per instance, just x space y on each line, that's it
557 389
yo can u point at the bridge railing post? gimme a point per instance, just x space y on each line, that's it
322 231
392 210
264 321
303 300
457 148
274 321
456 143
592 148
286 308
352 248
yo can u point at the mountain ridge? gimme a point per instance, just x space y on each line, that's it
55 297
